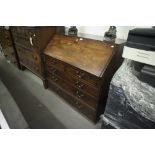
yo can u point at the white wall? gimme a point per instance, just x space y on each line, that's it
122 31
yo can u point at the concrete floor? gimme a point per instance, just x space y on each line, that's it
42 109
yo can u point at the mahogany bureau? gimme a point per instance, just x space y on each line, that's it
8 46
30 42
80 70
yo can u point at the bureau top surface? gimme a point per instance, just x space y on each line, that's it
89 55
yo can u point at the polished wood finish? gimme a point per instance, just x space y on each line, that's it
80 53
80 70
8 46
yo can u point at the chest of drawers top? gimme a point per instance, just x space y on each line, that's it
89 55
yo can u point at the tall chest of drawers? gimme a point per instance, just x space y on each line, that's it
80 71
8 46
29 43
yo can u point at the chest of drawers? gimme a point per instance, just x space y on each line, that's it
80 70
8 46
30 42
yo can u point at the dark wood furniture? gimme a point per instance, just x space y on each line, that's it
7 46
80 70
30 42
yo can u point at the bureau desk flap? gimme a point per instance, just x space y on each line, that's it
89 55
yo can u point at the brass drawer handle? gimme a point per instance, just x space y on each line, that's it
80 75
79 85
80 95
31 41
77 92
77 72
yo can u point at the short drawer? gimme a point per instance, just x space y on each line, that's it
81 107
77 93
51 62
73 81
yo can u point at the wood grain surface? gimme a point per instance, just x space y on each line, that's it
87 54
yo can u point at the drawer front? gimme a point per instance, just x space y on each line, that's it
73 71
77 93
29 64
81 75
28 43
73 81
82 108
23 32
30 54
54 63
24 36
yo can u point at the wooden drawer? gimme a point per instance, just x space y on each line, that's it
84 76
51 62
73 81
77 93
81 107
27 53
73 71
25 42
29 64
23 32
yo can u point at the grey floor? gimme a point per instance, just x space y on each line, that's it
41 108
